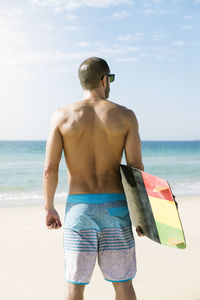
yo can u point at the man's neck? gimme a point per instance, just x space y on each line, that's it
94 94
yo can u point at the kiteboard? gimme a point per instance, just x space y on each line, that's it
153 207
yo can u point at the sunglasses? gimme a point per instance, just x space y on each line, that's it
112 77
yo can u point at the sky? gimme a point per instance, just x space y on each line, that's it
153 47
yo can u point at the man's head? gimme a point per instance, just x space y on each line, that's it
93 74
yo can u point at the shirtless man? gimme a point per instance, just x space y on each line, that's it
93 133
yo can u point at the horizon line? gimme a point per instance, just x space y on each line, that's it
148 140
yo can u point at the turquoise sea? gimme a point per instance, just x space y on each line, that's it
21 169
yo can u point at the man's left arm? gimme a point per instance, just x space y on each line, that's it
53 155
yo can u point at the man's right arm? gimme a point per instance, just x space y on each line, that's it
132 147
133 152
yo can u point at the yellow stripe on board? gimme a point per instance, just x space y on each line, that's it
175 242
165 212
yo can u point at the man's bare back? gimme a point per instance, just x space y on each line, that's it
94 135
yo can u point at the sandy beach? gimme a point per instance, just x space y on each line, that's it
32 259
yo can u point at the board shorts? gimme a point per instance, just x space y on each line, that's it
98 225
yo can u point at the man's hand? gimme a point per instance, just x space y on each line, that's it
139 231
53 219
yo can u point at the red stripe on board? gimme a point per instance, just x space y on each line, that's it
151 182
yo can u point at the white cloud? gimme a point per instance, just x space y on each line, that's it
160 52
188 17
149 11
131 37
146 4
157 1
70 28
125 38
121 15
118 49
83 44
11 12
152 52
128 59
153 9
10 16
196 1
117 52
149 4
19 58
11 39
59 70
8 21
46 26
71 17
70 5
179 43
187 27
174 1
158 36
40 57
138 36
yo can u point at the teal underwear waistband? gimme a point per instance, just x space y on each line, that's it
96 198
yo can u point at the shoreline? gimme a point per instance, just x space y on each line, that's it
60 201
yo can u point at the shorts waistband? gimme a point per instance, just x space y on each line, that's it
96 198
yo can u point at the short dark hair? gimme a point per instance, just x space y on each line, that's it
91 71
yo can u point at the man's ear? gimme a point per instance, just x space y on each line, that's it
104 80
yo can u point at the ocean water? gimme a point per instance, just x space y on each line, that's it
21 169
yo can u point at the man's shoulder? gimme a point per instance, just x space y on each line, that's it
62 110
125 110
60 114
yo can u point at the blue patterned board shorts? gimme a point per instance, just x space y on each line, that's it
98 224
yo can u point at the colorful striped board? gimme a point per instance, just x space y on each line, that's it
152 206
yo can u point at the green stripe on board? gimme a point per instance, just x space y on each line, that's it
169 235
